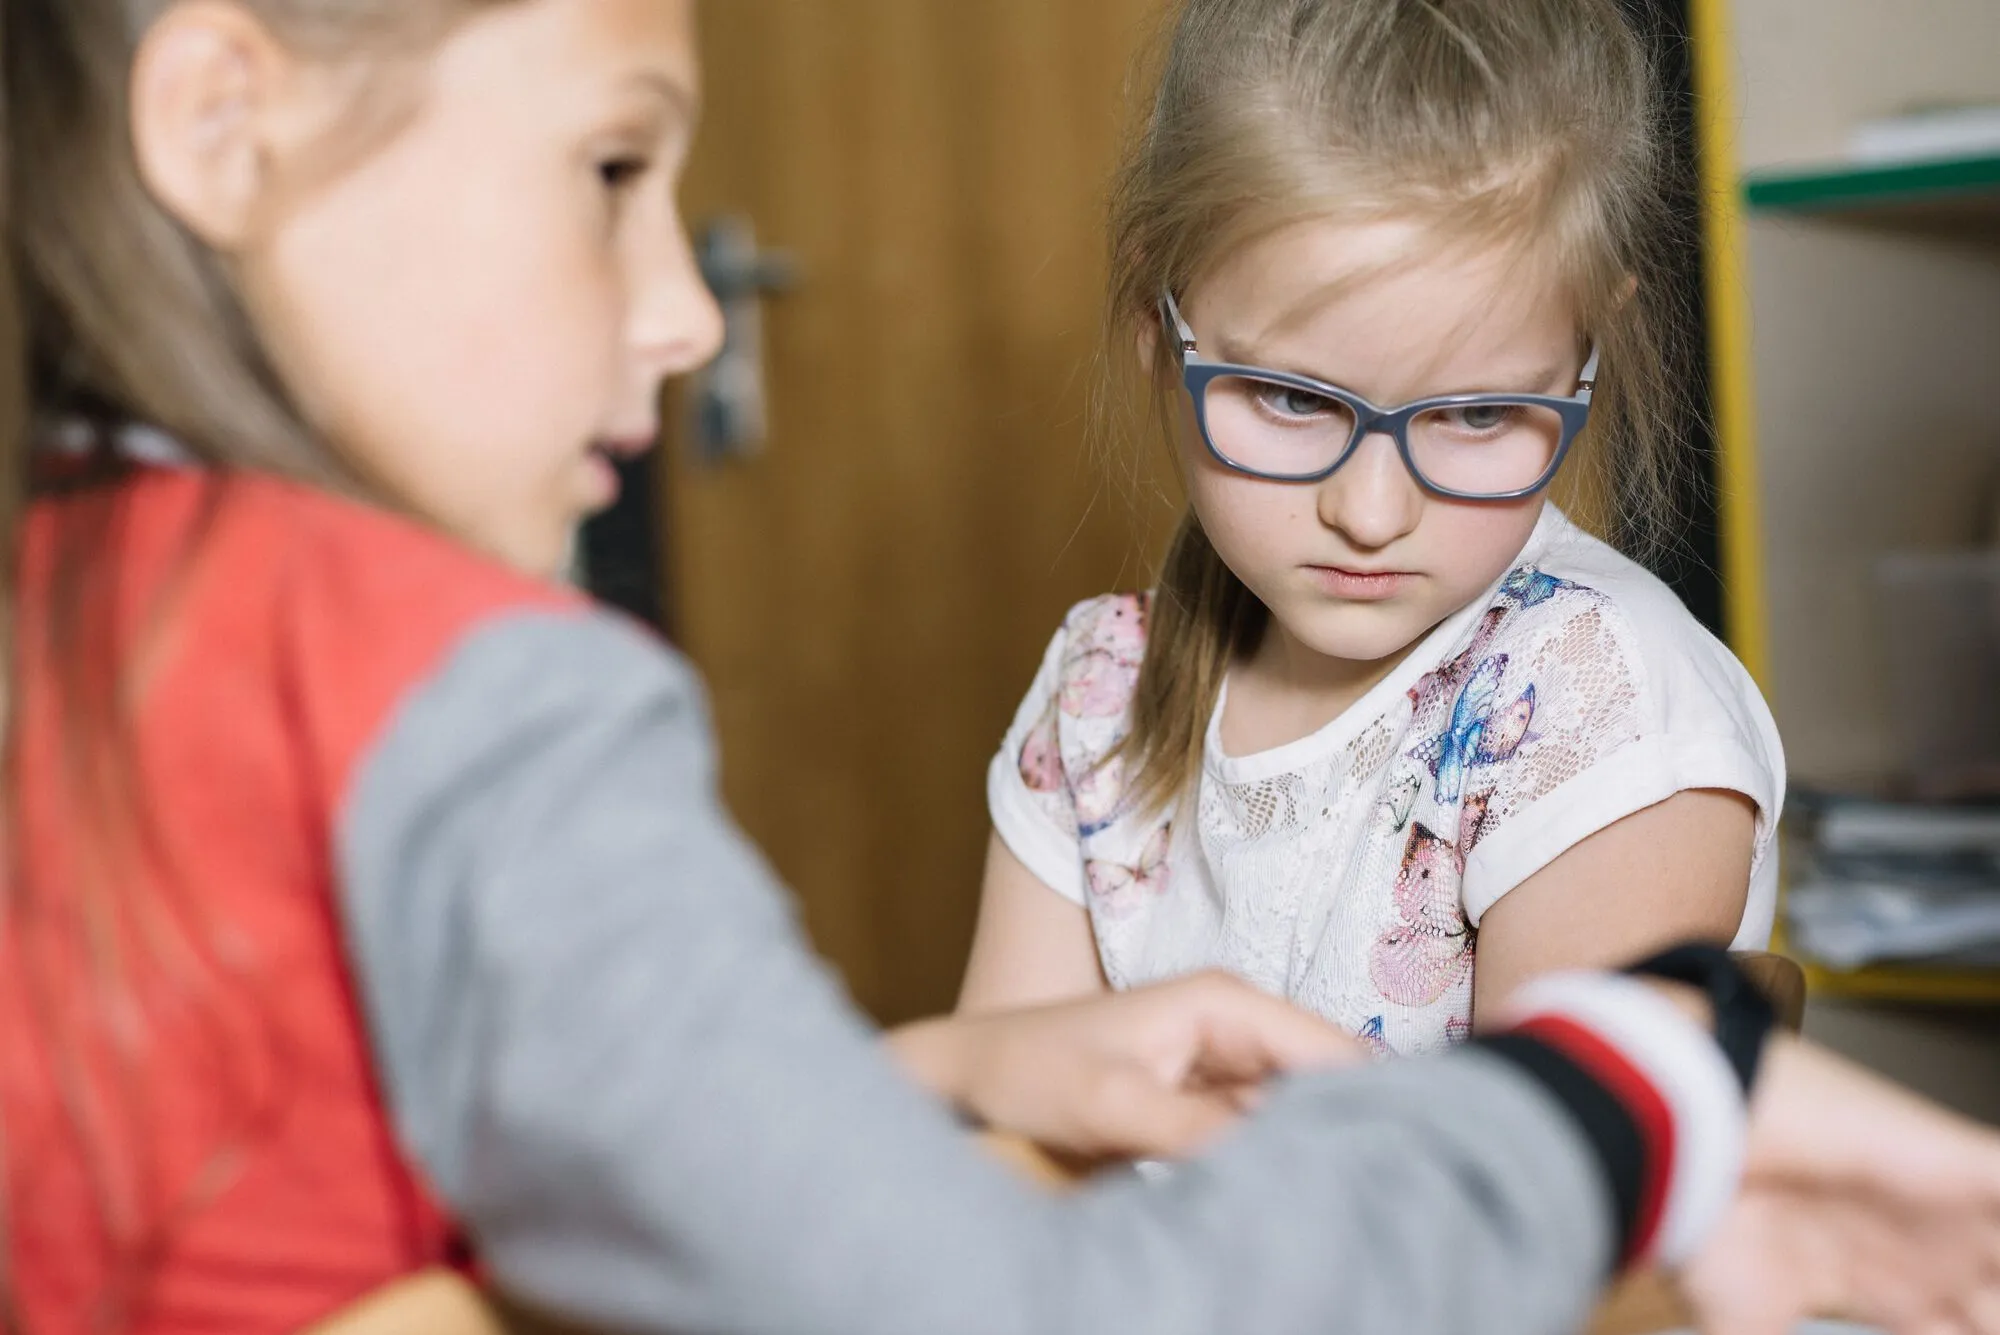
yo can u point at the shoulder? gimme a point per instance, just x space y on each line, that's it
1092 666
1610 611
245 539
1110 623
363 601
352 559
1574 600
374 610
328 611
1581 653
1075 714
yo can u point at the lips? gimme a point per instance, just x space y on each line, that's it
1364 586
627 445
603 457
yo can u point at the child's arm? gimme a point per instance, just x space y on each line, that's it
1672 872
604 1040
606 1044
1032 946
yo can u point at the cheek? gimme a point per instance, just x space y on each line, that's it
1249 522
489 329
1473 544
462 349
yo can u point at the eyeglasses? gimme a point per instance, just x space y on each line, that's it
1288 428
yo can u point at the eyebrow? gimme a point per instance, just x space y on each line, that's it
1545 380
673 91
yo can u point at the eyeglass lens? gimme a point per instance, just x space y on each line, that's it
1488 448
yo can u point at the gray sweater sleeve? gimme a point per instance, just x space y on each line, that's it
605 1041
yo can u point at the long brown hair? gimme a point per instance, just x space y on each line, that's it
112 314
1531 124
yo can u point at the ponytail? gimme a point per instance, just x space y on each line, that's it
1201 617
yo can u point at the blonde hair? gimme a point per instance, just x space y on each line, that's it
113 314
1532 124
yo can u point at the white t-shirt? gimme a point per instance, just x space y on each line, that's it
1348 871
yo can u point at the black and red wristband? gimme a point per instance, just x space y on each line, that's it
1659 1106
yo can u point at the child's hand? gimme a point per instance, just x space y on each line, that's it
1153 1073
1859 1200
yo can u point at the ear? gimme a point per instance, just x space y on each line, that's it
206 86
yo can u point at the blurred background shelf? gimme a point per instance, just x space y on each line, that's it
1894 984
1957 196
1902 984
1854 413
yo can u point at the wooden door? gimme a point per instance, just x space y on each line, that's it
869 598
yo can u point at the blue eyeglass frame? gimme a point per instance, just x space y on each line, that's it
1198 373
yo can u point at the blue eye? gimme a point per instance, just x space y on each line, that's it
1290 401
1484 416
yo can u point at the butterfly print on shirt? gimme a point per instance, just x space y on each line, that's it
1428 949
1116 890
1100 679
1041 755
1477 734
1436 687
1392 813
1529 587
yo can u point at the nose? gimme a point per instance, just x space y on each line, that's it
1372 500
675 323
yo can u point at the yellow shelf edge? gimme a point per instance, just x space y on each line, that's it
1889 982
1739 503
1957 986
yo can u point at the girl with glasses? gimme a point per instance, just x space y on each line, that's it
1389 271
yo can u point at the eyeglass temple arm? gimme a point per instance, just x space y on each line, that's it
1587 382
1179 326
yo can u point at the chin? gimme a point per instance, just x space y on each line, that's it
1355 634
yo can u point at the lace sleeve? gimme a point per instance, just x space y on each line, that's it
1581 721
1049 788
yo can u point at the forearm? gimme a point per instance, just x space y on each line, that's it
930 1054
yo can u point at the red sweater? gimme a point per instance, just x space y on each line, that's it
268 632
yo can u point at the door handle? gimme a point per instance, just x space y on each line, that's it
730 398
